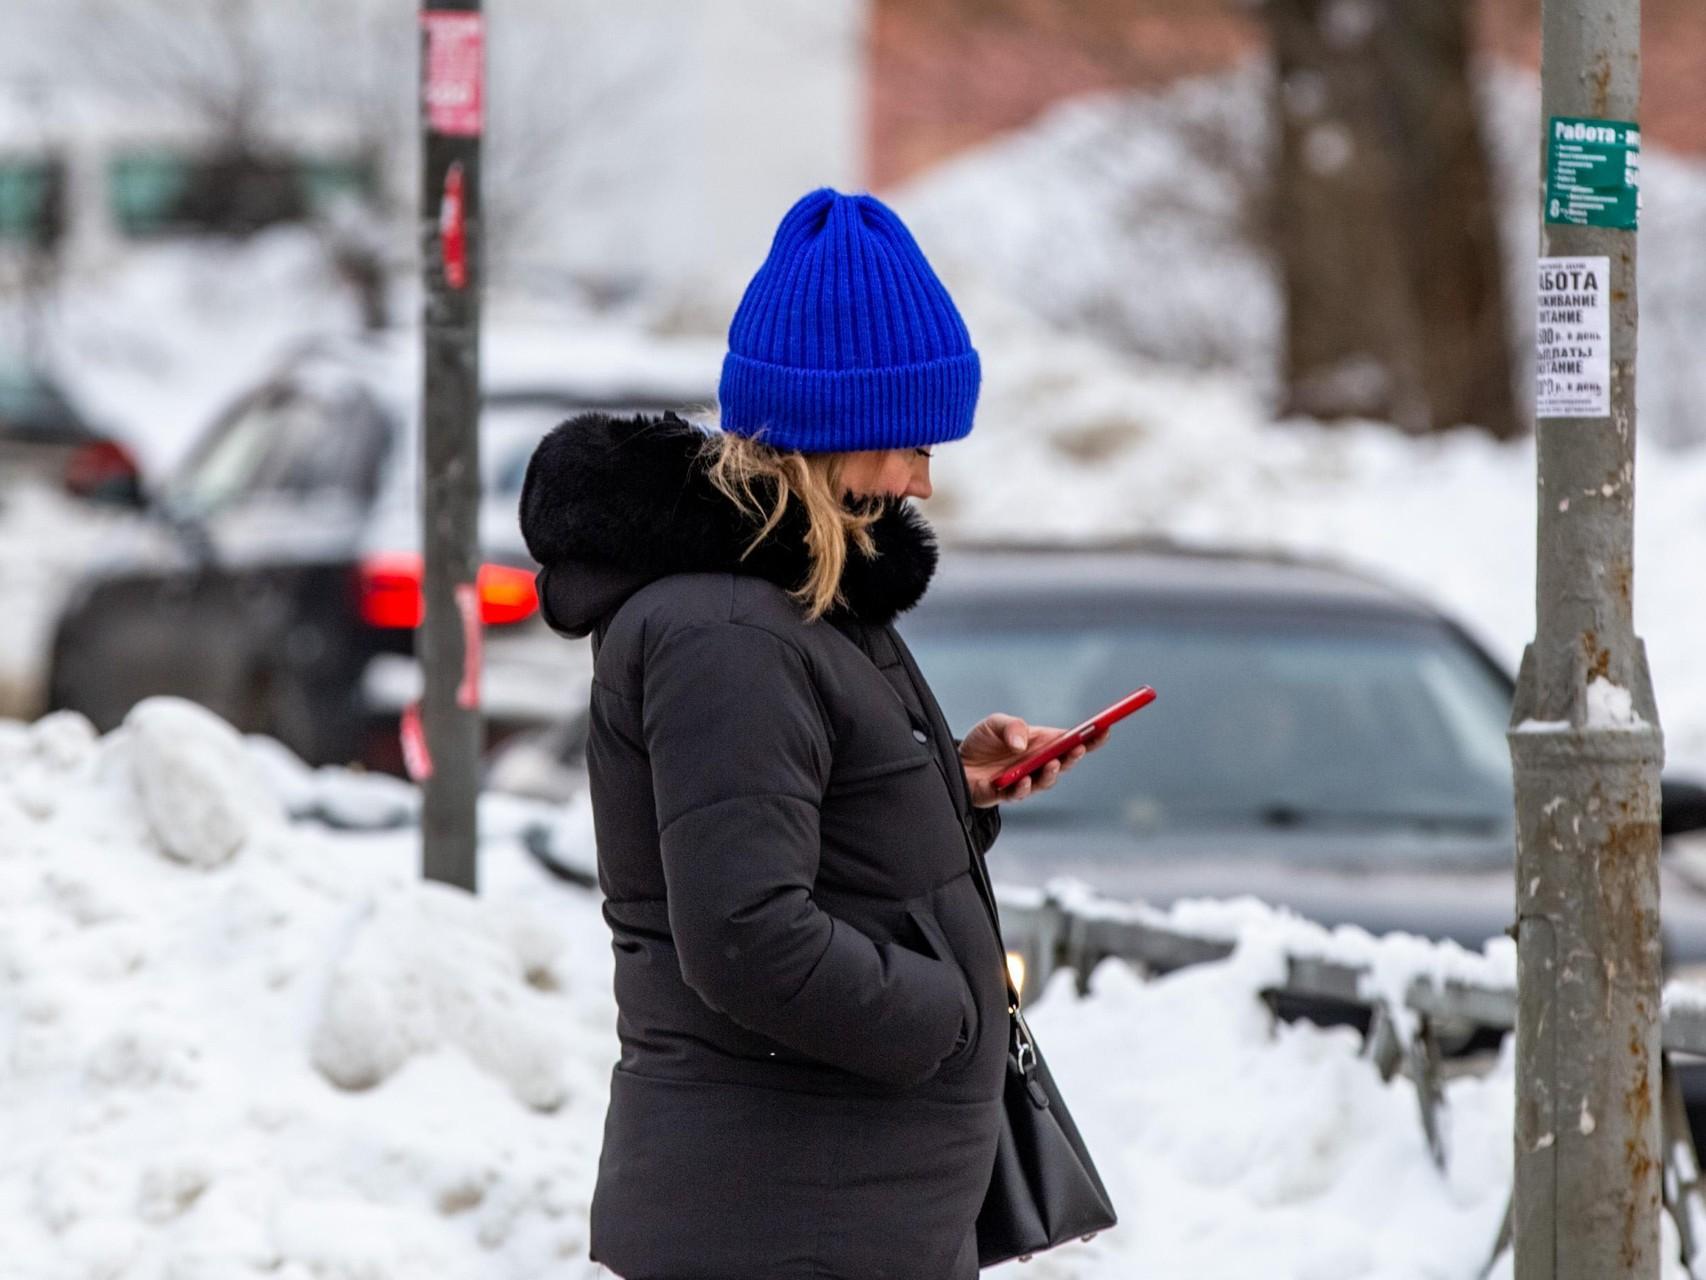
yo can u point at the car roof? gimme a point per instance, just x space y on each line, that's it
589 366
1157 572
612 368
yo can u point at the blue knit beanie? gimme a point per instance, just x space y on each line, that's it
845 339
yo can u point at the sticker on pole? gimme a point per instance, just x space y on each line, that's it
455 56
1573 339
417 760
1593 172
468 605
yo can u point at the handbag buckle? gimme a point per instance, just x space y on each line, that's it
1023 1048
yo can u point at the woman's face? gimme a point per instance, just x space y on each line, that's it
898 473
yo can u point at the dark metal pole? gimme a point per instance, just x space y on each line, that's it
1585 737
448 641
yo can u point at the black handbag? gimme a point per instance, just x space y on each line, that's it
1045 1189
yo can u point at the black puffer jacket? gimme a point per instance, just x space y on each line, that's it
810 996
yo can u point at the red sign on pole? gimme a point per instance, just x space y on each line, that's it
453 228
455 62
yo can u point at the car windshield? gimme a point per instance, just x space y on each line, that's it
1261 722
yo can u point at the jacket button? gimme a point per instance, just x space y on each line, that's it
921 735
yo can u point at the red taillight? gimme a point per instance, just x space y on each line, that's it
507 594
389 591
101 468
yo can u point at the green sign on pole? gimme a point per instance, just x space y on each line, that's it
1593 171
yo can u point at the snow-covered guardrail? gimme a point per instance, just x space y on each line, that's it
1418 992
1067 926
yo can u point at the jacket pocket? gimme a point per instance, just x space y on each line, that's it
937 941
852 775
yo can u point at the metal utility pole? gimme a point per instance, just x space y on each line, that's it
1585 737
442 740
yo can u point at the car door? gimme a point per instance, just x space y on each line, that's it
272 609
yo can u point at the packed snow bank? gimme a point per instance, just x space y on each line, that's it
1234 1148
1266 937
201 794
431 967
183 1039
295 1059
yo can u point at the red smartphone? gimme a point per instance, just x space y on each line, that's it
1057 747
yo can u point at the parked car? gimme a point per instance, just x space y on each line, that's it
275 576
43 434
1321 741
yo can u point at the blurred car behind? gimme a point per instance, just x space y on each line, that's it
275 576
1321 741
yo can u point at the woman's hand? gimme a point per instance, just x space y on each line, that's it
999 741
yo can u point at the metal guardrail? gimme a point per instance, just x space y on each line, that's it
1051 933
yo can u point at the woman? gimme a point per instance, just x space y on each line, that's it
810 997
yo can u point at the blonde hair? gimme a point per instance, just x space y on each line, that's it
761 481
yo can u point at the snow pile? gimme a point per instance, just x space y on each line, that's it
337 797
295 1059
201 794
1395 961
181 1037
1234 1148
431 967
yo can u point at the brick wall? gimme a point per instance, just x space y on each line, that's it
948 74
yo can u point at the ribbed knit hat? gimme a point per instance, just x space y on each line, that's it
845 339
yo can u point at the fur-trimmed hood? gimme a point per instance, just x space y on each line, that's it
611 504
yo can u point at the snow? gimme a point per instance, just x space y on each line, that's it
1266 937
297 1059
200 793
1233 1147
241 1037
432 967
1611 706
167 334
1141 222
180 1038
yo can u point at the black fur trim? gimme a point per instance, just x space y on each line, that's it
633 493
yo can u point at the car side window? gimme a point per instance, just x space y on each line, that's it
326 448
284 444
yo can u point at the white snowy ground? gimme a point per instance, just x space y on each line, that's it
234 1045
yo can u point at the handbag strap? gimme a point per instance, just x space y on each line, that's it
1020 1045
